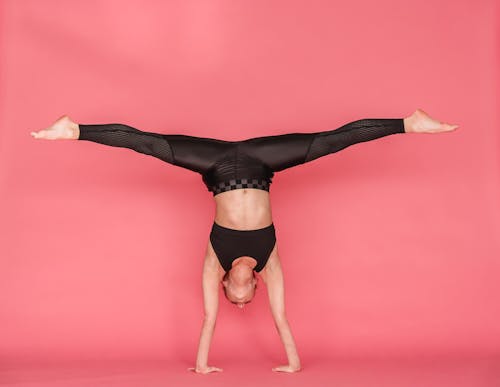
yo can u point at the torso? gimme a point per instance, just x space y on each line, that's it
242 209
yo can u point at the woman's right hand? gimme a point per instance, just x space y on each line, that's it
205 370
62 129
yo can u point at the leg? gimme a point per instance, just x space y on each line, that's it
194 153
284 151
287 150
190 152
124 136
324 143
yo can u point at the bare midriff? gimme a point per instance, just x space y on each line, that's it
243 209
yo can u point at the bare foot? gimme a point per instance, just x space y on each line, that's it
421 122
62 129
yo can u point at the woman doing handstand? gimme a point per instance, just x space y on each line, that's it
238 173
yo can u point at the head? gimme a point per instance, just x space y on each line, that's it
239 287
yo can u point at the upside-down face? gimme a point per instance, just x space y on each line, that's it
239 293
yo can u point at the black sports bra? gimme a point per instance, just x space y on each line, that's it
230 244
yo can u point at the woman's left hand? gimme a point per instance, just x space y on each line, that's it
286 368
205 370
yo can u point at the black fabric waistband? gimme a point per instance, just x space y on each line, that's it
234 231
224 186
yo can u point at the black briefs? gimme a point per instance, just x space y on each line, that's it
250 163
230 244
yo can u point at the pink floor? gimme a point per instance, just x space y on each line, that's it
390 372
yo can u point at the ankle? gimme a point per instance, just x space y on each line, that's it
410 121
408 124
74 130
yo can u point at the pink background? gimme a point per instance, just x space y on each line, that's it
389 248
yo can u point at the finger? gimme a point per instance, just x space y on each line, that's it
283 369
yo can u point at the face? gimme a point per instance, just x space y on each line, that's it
240 294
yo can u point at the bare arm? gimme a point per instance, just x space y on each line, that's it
276 292
210 283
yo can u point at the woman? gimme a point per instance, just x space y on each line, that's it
238 173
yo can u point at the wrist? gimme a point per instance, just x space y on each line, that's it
294 361
295 364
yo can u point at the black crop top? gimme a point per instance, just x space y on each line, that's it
250 163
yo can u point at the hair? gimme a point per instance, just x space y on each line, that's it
226 276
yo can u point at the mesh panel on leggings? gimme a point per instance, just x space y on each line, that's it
352 133
125 136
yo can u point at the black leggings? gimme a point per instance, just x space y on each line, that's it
278 152
254 159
